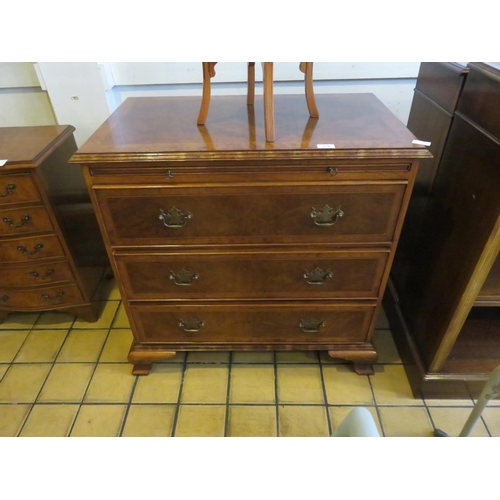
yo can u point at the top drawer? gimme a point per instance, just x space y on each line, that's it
256 214
17 189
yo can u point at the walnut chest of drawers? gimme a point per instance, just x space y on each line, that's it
37 269
221 241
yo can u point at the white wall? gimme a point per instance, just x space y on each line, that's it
22 100
83 94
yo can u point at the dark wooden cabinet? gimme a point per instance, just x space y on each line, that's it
38 270
220 240
444 308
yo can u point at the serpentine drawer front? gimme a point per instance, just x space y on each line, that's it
37 269
221 241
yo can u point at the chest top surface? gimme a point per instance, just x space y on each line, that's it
28 146
162 128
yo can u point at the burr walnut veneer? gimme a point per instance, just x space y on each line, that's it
220 240
38 270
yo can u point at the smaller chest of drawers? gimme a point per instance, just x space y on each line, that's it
37 269
222 241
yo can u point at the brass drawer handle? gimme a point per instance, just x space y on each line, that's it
191 325
57 298
332 171
175 217
311 325
25 251
183 277
317 276
326 216
5 298
47 276
8 188
24 220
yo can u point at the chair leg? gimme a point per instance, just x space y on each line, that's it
307 69
268 101
208 73
251 84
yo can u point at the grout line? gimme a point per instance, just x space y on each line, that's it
275 362
376 405
178 405
325 397
96 364
35 401
127 409
226 419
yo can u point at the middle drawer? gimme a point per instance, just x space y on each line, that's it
327 274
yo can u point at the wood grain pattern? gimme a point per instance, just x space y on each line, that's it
242 221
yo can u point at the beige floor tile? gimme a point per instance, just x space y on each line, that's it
406 422
19 321
99 421
252 384
391 386
3 369
111 383
339 413
66 383
162 385
41 346
491 402
82 346
208 357
253 357
149 421
303 421
22 383
205 384
52 320
49 421
385 347
117 346
201 421
299 384
252 421
491 416
452 420
11 419
107 311
10 343
108 290
382 321
343 386
449 402
296 356
121 319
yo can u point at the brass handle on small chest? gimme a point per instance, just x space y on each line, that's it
183 277
47 276
25 251
317 276
24 220
326 216
311 325
8 190
175 217
57 298
191 325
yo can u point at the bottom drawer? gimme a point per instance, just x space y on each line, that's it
40 298
239 324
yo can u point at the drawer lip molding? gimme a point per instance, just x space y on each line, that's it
237 323
246 215
354 274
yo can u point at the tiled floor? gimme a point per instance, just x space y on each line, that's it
64 377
